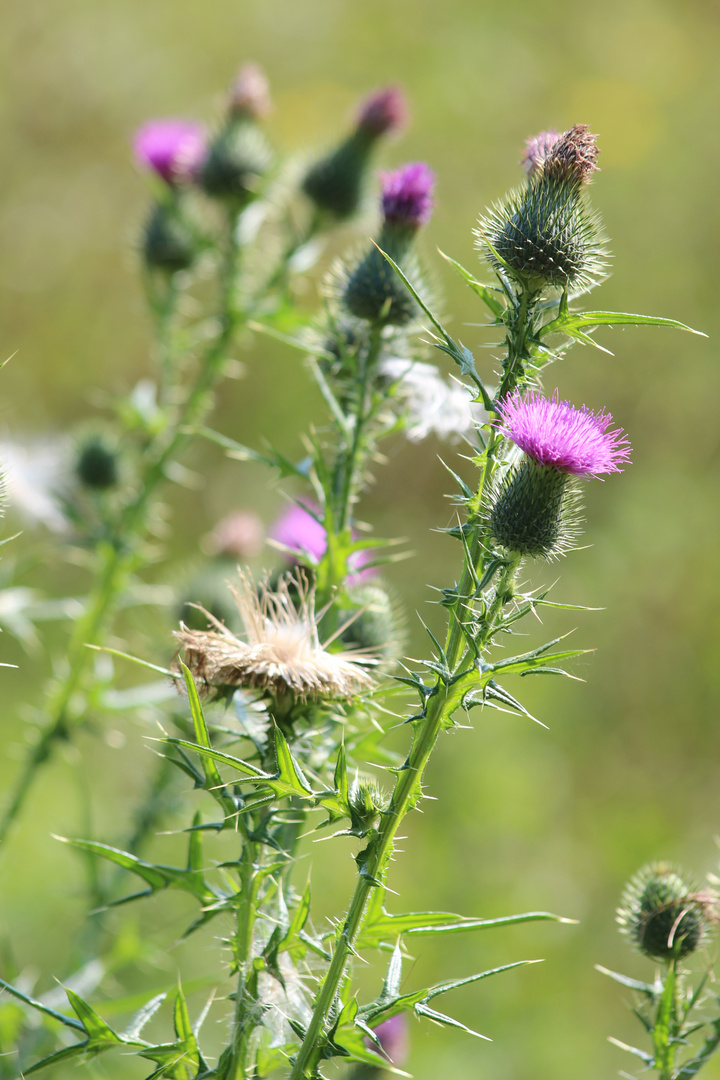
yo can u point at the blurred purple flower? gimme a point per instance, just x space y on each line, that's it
383 112
174 149
299 531
394 1039
407 195
555 433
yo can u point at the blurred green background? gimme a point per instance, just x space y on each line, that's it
526 818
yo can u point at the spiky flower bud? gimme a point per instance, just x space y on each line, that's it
534 509
237 158
383 112
170 243
663 915
335 182
374 627
173 149
97 464
374 291
250 93
366 802
545 234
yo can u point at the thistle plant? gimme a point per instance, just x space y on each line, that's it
283 723
668 919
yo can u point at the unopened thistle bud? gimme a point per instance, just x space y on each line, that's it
534 509
250 93
173 149
240 153
335 183
374 627
663 915
97 464
373 290
367 802
545 234
170 243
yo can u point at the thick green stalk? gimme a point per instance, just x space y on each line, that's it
446 697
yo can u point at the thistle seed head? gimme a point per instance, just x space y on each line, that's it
281 653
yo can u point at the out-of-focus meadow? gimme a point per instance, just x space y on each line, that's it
526 818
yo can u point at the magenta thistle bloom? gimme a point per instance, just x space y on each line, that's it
174 149
537 149
298 530
394 1039
555 433
383 112
407 195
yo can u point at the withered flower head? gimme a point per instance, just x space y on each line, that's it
282 653
573 156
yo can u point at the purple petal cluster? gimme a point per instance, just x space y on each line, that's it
174 149
555 433
407 195
394 1039
537 149
298 530
383 112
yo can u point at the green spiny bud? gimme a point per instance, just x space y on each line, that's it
97 464
169 243
367 802
373 290
236 160
545 234
534 510
663 915
374 628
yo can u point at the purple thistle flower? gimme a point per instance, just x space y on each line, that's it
298 530
383 112
407 195
537 149
555 433
174 149
394 1039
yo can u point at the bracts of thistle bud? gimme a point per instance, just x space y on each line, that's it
664 915
240 155
534 508
545 234
335 183
373 290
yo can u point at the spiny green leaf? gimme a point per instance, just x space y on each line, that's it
576 320
69 1021
212 775
647 1058
447 1021
143 1015
633 984
289 772
385 927
98 1031
181 1018
485 294
59 1055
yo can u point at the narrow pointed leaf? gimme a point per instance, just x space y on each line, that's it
98 1031
486 295
68 1021
447 1021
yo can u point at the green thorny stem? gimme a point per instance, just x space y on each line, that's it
347 474
233 1064
117 560
445 696
664 1045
